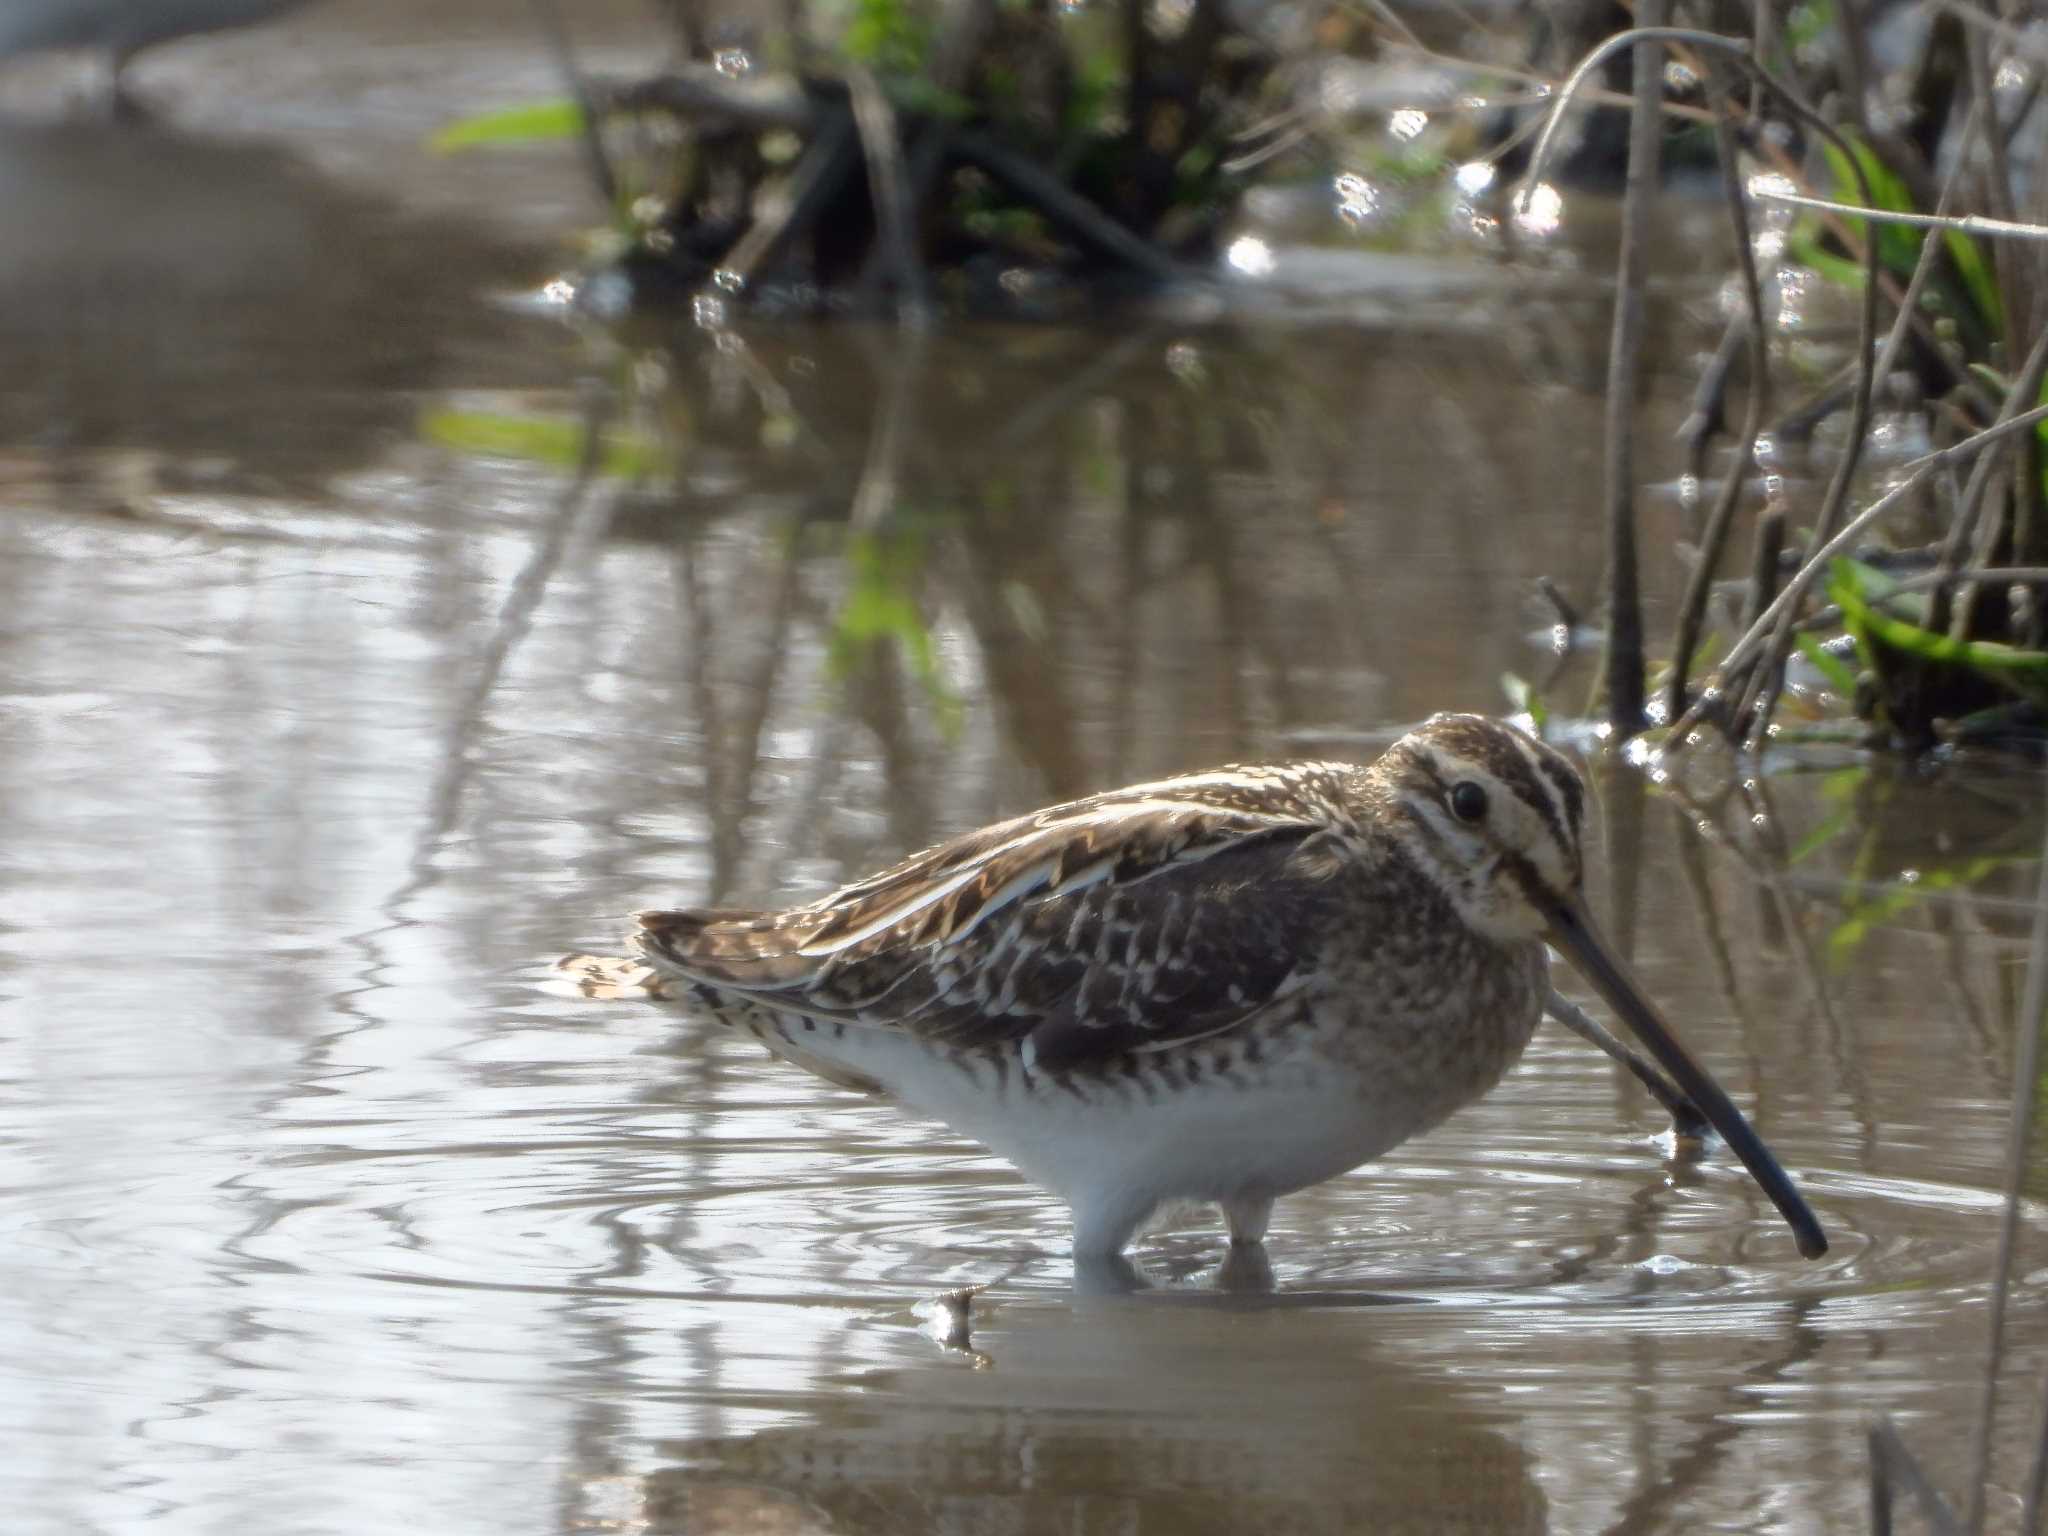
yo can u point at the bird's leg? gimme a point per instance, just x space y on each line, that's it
1686 1118
1246 1216
1106 1219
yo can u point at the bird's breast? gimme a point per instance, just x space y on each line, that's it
1439 1032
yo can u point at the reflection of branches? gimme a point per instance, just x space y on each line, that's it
1770 835
1638 1227
1948 923
759 690
1010 572
1653 1505
1131 528
872 669
1023 425
1893 1466
732 758
1213 553
1693 866
577 512
2026 1081
722 815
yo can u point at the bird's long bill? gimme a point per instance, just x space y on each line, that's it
1572 933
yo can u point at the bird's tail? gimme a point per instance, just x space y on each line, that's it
730 947
611 978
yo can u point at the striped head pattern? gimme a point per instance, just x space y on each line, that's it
1489 814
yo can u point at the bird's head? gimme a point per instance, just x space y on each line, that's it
1494 818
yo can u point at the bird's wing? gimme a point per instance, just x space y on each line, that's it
1122 923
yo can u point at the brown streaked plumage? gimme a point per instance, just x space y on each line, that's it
1224 986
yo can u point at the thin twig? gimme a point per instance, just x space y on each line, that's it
1575 83
1590 95
1908 312
1901 585
1767 681
1391 18
920 152
788 211
1959 223
1923 268
1961 534
1918 472
1764 557
1709 413
1272 149
1840 227
882 146
1761 691
1799 423
1567 615
1692 614
1067 208
1853 53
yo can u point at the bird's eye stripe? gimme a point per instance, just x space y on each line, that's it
1569 786
1540 790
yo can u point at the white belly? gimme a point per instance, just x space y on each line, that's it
1115 1149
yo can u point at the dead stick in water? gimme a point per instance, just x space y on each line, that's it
1625 687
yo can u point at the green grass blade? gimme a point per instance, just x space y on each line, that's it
529 123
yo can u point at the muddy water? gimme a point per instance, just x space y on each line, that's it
323 730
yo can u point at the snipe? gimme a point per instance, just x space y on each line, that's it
1224 987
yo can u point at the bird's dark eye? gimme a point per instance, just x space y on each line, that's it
1468 801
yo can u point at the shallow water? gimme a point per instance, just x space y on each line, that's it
320 738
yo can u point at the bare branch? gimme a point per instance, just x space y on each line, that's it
1692 614
882 146
1962 224
1919 471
